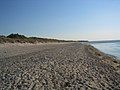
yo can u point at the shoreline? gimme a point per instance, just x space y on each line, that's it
58 66
110 48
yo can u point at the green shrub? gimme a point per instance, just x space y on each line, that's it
16 36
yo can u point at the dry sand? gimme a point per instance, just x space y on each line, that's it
60 66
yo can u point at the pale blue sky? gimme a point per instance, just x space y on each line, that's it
62 19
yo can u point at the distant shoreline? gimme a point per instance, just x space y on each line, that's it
105 41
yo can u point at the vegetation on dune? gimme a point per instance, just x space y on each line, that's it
17 38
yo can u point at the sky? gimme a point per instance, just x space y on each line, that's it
61 19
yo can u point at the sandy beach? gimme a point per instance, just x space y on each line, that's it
57 66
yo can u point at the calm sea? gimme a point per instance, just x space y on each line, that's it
112 48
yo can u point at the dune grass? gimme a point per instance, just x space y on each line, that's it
17 38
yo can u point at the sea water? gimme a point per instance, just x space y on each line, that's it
112 48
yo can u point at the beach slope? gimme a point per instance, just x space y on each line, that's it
59 66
